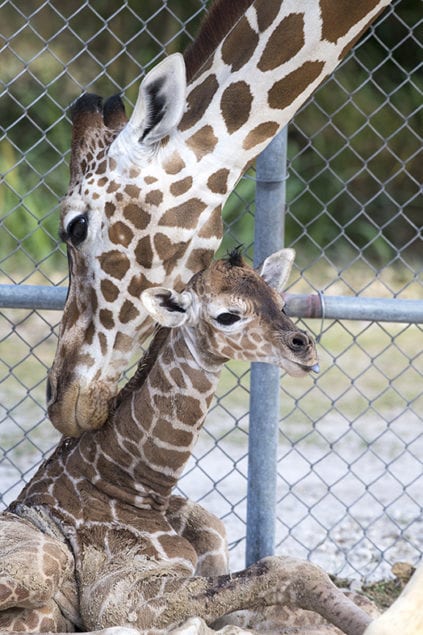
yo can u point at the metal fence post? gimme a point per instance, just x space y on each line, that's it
264 392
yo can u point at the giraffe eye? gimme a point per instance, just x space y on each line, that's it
77 229
227 318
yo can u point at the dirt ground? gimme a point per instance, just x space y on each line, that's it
385 592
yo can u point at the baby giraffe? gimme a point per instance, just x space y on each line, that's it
89 543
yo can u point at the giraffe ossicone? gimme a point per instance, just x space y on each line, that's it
144 202
96 540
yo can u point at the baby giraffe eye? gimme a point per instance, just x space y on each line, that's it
77 229
227 318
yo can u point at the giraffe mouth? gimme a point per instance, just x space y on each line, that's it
315 368
75 410
92 407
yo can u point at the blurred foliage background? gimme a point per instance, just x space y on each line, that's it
355 165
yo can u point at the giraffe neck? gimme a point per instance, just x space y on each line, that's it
257 78
264 69
154 428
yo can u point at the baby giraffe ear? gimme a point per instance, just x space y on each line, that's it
276 269
166 307
157 112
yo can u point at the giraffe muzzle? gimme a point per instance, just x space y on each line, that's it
75 409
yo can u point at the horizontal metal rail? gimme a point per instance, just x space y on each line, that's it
31 296
341 307
315 305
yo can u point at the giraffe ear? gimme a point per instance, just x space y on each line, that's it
276 269
157 112
167 307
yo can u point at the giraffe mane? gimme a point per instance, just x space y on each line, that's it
234 257
221 18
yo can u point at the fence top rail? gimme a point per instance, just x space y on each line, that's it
314 305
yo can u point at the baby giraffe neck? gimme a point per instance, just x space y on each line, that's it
158 426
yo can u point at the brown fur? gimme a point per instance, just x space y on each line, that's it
222 16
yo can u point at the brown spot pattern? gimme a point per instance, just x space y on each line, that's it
235 55
133 191
120 234
198 101
266 13
137 285
178 377
338 17
259 134
109 290
167 457
86 360
218 181
128 312
136 215
236 105
144 252
188 409
150 179
114 263
106 318
285 42
214 225
184 215
165 431
162 384
122 342
113 186
202 142
154 197
182 186
101 168
286 90
168 251
199 259
173 164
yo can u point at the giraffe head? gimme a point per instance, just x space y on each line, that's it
130 221
231 311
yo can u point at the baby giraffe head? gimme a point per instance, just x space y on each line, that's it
231 311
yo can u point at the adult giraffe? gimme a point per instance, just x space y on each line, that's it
145 196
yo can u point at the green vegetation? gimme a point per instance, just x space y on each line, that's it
354 170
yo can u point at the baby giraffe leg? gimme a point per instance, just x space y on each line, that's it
156 600
36 571
204 531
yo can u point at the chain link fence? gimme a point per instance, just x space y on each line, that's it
351 439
